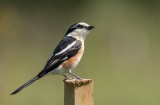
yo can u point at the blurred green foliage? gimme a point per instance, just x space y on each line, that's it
121 53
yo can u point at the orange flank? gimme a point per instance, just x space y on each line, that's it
73 61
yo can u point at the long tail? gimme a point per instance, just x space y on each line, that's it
26 84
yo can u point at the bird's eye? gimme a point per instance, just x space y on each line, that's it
80 26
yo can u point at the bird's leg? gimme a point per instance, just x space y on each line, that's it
74 75
66 77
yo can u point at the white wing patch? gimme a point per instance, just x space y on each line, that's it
65 58
65 49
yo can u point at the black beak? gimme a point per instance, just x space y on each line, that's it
90 27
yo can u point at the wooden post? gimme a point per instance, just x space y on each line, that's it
78 92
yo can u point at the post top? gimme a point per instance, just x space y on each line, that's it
77 82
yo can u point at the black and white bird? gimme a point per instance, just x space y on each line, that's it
66 55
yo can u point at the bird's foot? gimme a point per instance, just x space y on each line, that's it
67 78
77 77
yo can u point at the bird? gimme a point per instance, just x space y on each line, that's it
66 55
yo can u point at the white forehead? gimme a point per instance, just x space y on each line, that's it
83 23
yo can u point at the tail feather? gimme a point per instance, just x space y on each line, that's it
26 84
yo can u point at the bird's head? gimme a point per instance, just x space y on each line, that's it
79 29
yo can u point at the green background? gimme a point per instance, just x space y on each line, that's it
122 52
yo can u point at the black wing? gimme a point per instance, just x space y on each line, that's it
56 60
64 43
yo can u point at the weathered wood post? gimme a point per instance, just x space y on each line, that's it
78 92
